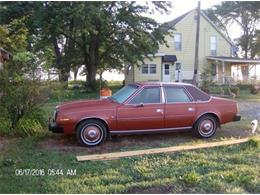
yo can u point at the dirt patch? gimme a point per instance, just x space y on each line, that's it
69 143
4 142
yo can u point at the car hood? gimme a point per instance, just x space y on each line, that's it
89 104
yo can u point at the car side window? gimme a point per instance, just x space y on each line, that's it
176 94
147 95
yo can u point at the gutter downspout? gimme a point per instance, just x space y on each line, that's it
223 72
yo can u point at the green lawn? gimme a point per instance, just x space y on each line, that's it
244 95
233 169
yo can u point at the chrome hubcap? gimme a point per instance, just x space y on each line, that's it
206 127
91 133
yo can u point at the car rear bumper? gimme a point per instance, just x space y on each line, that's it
237 118
55 128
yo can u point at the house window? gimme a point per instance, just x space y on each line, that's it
213 69
177 42
166 69
145 69
152 68
213 45
149 69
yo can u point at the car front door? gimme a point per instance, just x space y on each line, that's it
142 112
179 108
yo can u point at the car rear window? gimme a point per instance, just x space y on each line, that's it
197 94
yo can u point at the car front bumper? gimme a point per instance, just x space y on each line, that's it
237 118
54 127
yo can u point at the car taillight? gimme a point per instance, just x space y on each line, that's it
237 108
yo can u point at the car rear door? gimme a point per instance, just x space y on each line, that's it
179 108
142 112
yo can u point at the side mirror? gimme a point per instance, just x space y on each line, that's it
140 105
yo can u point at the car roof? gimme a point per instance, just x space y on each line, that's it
150 83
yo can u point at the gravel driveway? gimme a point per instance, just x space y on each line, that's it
249 110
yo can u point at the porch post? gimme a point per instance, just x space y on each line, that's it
223 72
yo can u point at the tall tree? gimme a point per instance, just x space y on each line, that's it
245 14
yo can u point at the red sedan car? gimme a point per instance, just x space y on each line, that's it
144 108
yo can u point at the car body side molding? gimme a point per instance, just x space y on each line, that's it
147 131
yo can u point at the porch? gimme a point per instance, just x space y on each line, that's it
233 70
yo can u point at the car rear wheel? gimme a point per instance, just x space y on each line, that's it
91 133
206 126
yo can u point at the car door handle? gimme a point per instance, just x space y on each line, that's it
191 109
159 110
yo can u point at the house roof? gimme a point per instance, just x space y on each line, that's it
178 19
234 59
173 22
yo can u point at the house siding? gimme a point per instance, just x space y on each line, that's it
139 77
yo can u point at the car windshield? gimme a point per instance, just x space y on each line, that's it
124 93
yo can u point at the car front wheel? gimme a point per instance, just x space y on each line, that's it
206 126
91 133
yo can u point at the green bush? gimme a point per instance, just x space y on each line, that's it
206 79
235 90
21 105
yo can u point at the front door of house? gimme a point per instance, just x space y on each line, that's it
166 72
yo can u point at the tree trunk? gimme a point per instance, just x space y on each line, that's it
64 70
91 61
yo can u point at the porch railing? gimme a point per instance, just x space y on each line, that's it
222 79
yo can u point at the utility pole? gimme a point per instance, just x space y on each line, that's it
196 59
